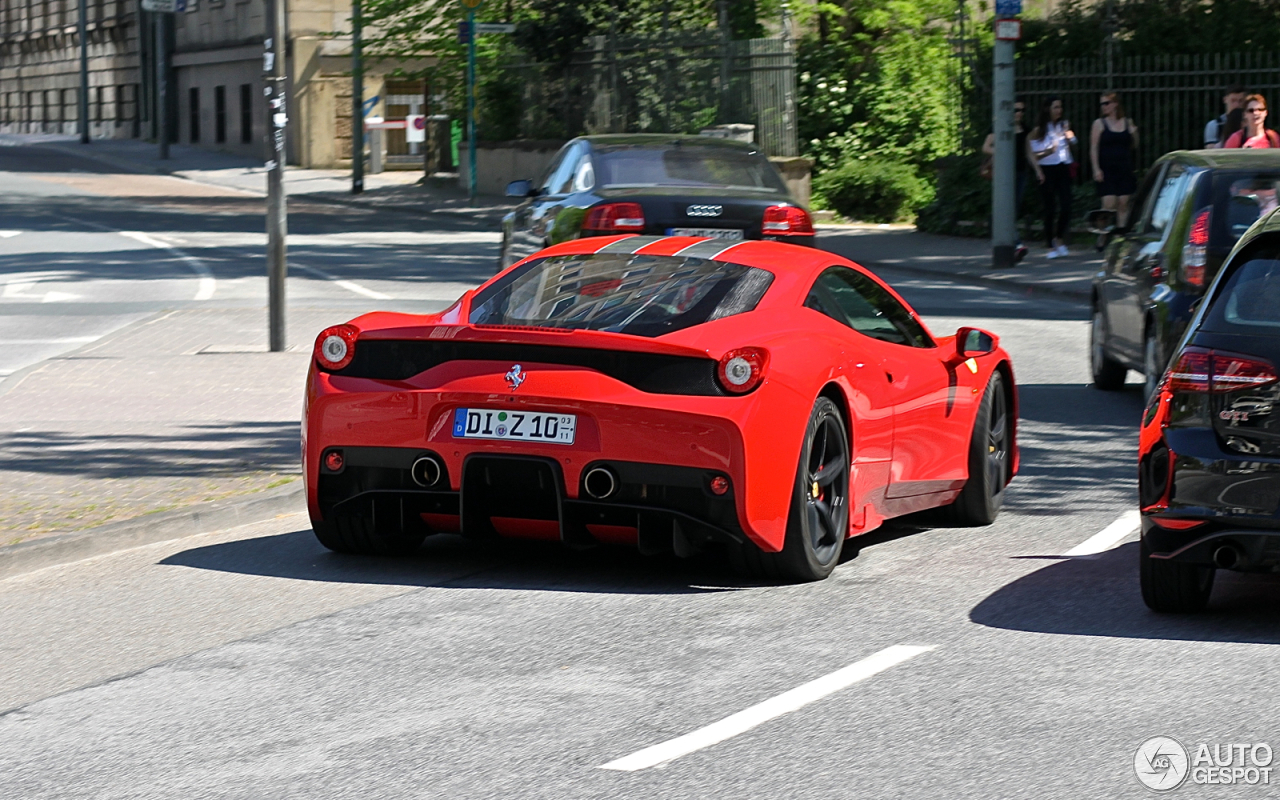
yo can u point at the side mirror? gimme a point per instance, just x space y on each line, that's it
975 342
520 189
1101 221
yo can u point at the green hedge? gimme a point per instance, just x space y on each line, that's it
872 190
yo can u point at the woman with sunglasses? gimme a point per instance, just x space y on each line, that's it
1112 141
1255 132
1049 151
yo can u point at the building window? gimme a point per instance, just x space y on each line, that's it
246 113
193 95
220 114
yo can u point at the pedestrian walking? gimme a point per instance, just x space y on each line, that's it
1022 168
1112 141
1255 132
1232 98
1049 151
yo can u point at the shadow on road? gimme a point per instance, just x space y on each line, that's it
452 561
1100 597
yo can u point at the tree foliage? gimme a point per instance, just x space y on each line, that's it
878 78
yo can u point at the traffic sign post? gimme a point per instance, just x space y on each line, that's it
273 63
471 7
1004 221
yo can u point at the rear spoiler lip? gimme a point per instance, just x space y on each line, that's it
554 337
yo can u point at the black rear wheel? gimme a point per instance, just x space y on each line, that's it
358 534
1173 588
819 518
1108 374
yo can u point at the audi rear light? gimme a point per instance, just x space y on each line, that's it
786 221
741 370
1199 369
336 346
616 218
1195 251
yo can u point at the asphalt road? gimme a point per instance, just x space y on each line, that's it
981 662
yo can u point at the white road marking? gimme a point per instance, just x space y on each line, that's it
350 286
9 234
772 708
18 290
207 283
1109 536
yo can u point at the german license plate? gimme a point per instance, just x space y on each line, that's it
713 233
492 423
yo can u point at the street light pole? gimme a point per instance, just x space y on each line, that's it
84 75
162 99
277 213
357 102
1004 223
471 105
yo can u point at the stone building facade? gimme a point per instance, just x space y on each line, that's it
214 59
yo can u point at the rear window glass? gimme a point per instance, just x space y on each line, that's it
1249 301
1240 200
637 166
636 294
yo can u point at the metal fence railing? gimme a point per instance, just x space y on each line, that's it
1168 97
676 84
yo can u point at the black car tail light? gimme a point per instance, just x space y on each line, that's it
1199 369
616 218
786 221
1195 251
741 370
336 346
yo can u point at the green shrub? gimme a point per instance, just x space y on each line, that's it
962 197
872 190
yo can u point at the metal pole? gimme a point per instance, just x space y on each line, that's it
84 76
277 213
471 105
162 81
1004 223
357 101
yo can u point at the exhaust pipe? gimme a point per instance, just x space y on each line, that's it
426 471
1226 557
600 483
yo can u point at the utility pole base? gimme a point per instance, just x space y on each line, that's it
1003 256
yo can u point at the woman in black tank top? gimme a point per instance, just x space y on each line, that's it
1111 145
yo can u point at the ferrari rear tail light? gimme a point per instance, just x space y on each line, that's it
786 221
741 370
1200 369
336 346
1195 251
616 218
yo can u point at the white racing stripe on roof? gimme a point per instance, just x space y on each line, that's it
630 244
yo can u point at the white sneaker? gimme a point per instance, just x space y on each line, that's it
1054 253
1062 250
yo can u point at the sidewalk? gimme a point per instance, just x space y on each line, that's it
903 247
398 190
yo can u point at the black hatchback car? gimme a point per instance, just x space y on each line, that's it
658 184
1189 211
1209 453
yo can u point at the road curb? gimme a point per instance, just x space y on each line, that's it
23 557
982 280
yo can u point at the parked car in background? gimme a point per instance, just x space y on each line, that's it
1209 451
1189 211
657 184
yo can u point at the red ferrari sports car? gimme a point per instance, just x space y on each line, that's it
668 393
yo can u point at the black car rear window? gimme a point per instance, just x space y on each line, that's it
1249 300
635 294
1240 199
641 166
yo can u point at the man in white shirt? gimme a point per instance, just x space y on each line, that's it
1232 98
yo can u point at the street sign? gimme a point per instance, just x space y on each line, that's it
164 6
464 32
415 128
1008 8
495 27
1008 30
471 6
